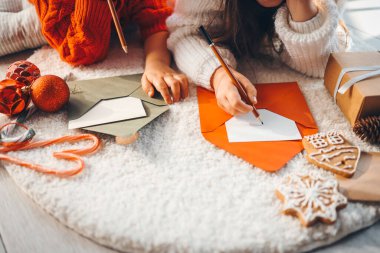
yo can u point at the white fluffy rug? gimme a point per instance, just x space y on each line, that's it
172 191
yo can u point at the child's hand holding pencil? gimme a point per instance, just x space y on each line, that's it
235 100
227 94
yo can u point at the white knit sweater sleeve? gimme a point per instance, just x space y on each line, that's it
20 27
307 45
191 52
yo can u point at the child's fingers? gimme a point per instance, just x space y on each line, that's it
227 106
184 85
163 88
250 88
237 105
147 86
223 103
175 87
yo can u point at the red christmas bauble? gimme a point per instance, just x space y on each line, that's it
49 93
23 71
13 99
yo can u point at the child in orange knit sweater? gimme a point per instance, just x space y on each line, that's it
81 29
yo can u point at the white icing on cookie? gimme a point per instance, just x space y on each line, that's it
321 140
318 143
324 157
335 139
312 197
315 136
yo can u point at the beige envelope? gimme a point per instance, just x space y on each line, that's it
87 93
364 185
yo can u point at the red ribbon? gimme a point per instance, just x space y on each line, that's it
71 155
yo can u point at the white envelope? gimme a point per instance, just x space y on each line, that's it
246 128
111 110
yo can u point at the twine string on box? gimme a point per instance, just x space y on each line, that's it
374 71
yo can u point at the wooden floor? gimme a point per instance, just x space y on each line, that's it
24 227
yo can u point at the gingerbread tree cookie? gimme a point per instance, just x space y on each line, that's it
311 198
332 152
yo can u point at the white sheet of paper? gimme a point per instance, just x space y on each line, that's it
111 110
246 128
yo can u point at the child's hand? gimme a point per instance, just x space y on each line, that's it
172 85
227 94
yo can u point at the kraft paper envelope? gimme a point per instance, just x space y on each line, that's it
364 185
87 93
285 99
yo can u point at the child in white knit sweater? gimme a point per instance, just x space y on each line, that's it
302 33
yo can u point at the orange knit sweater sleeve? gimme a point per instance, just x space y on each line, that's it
150 15
79 30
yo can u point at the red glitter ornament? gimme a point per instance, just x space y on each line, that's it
13 100
49 93
24 72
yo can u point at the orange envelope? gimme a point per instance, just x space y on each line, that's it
285 99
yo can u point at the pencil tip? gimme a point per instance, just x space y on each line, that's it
125 48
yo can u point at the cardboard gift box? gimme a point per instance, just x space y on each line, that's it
353 79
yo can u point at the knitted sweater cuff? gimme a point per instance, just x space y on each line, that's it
308 26
158 27
311 31
158 22
208 67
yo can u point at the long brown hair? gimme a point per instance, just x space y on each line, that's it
246 26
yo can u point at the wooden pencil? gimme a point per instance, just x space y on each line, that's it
119 30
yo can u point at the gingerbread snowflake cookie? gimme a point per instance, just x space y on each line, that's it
311 198
331 151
